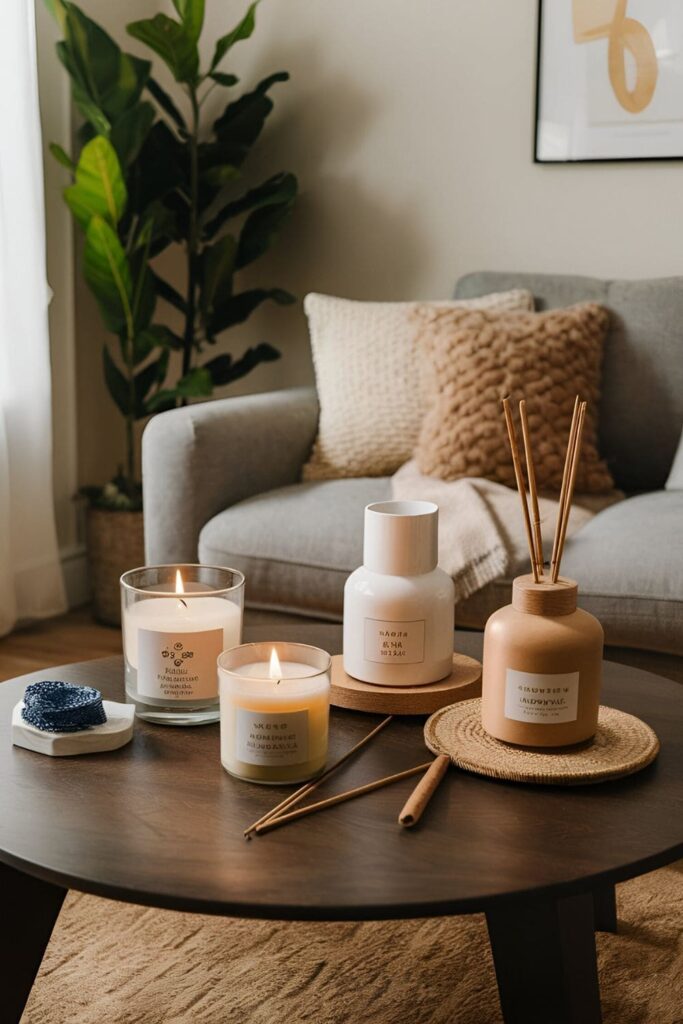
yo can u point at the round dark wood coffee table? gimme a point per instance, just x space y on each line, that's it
160 823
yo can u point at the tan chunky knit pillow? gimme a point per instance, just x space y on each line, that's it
368 376
474 358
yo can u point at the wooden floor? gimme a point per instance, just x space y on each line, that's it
71 637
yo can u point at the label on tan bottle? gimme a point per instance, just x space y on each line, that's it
178 666
395 642
545 698
274 739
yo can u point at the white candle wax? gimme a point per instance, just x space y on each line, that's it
274 730
172 643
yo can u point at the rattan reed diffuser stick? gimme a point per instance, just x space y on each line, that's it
340 798
576 455
298 796
521 488
565 482
533 493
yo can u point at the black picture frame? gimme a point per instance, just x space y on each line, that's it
537 110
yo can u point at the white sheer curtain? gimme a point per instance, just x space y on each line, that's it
31 584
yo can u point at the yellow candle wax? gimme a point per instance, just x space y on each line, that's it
274 718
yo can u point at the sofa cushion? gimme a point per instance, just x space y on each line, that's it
628 562
296 545
641 411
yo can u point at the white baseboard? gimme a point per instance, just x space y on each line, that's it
75 570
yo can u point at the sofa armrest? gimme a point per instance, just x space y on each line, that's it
198 460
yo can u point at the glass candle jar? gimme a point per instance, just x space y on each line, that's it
176 620
275 705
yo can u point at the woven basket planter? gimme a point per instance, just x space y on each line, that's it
115 544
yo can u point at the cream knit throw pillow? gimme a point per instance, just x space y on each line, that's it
370 389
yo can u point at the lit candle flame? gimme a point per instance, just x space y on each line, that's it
179 588
275 670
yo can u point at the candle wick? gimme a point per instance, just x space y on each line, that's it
180 601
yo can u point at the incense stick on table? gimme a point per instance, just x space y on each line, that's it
533 493
424 791
519 477
299 794
339 798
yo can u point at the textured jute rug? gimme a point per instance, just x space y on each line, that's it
120 964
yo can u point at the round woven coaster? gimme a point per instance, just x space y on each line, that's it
622 745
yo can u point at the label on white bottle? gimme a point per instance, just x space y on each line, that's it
545 698
271 739
395 642
178 666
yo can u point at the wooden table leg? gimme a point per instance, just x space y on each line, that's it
544 955
28 911
605 903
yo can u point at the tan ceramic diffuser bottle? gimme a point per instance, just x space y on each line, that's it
542 665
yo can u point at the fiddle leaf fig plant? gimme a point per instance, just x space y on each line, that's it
151 171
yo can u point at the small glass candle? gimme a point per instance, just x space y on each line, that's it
176 621
275 706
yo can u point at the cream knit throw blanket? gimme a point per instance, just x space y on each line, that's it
481 531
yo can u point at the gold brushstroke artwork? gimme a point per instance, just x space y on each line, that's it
600 19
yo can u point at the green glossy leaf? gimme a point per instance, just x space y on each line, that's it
260 230
62 157
217 267
242 121
58 11
166 291
143 296
192 15
153 373
129 132
281 188
241 31
171 41
219 176
156 336
107 273
221 78
158 228
224 369
111 79
239 308
195 384
92 114
117 385
99 188
161 167
166 103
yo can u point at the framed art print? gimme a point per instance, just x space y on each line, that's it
609 82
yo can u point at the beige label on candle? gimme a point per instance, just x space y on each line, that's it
178 666
397 642
272 739
541 698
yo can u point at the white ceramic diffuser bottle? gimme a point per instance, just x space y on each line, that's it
398 606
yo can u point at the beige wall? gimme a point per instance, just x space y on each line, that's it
410 126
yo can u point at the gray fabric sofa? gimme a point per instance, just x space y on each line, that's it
222 481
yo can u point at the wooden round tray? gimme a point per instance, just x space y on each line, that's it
463 682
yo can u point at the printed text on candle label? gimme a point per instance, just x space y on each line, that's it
178 666
398 642
271 739
546 698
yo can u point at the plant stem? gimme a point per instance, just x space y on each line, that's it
188 338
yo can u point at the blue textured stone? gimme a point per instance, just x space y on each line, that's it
54 706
